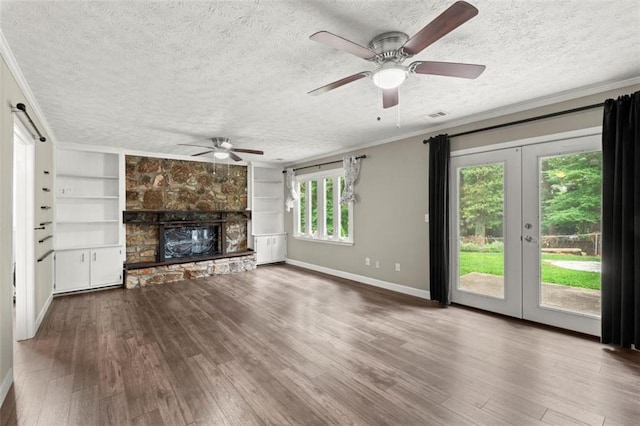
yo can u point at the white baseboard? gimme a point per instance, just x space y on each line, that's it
398 288
41 315
6 385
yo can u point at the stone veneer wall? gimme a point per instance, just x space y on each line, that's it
165 184
183 271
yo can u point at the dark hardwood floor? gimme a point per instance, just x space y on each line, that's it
281 345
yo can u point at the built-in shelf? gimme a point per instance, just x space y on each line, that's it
84 246
88 234
88 197
80 176
266 198
268 181
75 222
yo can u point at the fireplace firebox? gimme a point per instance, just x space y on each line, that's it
191 242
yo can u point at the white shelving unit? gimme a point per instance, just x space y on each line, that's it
267 214
88 219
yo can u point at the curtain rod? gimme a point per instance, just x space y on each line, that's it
324 164
526 120
23 108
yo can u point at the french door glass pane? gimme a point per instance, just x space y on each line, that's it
570 234
481 230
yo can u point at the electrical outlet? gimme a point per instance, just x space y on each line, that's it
367 261
377 264
397 267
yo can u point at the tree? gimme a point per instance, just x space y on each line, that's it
481 200
570 193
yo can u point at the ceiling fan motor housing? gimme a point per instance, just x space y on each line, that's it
388 47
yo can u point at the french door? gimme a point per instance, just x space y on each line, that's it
525 232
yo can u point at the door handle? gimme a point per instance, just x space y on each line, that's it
529 239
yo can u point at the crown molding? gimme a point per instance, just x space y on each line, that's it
14 68
486 115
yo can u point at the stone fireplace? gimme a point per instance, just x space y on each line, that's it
184 219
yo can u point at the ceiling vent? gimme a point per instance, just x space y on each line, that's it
438 114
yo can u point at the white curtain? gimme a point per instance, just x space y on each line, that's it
292 195
351 170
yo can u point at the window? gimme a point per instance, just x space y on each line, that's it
318 214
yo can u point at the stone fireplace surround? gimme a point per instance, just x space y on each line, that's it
193 190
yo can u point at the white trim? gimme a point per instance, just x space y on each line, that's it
574 134
398 288
6 385
25 257
42 313
12 64
327 240
486 115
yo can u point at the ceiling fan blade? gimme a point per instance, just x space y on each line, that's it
202 153
450 69
248 151
199 146
341 43
339 83
234 157
389 97
457 14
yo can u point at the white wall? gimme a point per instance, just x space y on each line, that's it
11 94
393 192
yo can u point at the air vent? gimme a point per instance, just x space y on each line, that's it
438 114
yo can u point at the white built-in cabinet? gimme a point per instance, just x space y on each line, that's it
267 214
270 248
88 219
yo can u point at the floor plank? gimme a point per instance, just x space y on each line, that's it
281 345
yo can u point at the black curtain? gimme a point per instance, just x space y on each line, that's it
439 153
621 221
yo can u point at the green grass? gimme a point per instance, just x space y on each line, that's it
492 263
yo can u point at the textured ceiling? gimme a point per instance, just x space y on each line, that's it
150 75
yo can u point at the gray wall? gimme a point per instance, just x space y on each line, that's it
392 190
10 94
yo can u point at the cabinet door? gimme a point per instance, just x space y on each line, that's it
278 248
72 270
263 249
106 266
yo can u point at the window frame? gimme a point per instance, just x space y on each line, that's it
319 178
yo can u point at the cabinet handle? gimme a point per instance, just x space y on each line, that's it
94 256
82 257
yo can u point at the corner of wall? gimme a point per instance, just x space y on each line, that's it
7 381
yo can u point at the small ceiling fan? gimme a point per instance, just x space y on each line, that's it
391 49
222 149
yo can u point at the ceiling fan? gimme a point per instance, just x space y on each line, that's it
222 149
391 49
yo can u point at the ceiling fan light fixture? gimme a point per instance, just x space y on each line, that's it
221 155
389 77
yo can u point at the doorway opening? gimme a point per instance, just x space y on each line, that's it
23 257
